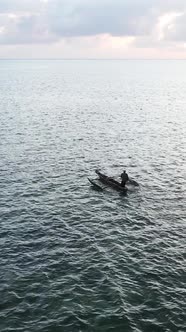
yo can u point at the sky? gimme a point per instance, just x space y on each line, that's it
122 29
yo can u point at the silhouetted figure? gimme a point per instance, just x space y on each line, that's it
124 178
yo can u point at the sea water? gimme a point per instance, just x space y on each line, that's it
73 258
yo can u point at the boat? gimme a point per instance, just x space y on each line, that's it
95 185
111 182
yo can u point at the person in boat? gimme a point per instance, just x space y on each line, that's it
124 178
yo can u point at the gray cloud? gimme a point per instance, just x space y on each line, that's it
115 17
24 29
44 22
118 18
9 6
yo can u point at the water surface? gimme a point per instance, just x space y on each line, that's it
72 258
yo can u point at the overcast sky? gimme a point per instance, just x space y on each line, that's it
93 29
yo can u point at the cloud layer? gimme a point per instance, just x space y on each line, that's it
145 23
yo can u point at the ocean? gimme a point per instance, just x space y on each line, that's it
73 258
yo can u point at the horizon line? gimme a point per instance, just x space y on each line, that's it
90 59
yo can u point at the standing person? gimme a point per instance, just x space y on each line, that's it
124 178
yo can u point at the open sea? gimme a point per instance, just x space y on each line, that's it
74 259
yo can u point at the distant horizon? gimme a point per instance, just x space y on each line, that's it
99 59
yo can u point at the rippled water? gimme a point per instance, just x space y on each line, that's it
72 258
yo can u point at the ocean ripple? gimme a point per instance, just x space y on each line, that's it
72 258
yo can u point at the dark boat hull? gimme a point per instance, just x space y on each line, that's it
95 185
111 182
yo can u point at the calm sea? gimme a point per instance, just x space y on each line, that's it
71 258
